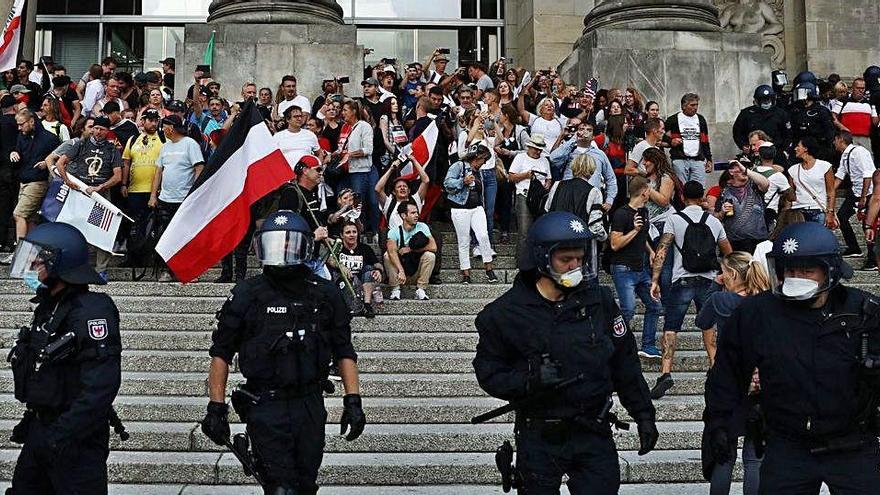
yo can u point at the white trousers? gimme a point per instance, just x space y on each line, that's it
465 221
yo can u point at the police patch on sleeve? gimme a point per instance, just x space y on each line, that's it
98 329
619 326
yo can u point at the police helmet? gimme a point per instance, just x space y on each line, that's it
59 249
872 78
806 91
806 77
553 231
476 149
284 239
764 92
804 246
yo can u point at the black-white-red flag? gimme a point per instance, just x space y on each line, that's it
215 215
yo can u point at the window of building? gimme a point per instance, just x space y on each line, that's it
410 45
488 9
55 7
126 45
160 42
402 9
122 7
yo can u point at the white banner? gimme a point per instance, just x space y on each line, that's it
96 217
11 37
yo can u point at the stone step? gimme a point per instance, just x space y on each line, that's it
368 362
379 410
379 438
193 384
382 469
689 340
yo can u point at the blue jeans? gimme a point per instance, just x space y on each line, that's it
688 169
490 191
629 284
364 183
813 216
685 290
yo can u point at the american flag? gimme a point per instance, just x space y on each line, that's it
100 217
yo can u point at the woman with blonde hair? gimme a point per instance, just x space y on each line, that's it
741 276
578 196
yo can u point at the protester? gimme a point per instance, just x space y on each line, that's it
688 134
578 195
856 164
582 143
356 148
290 97
295 142
400 192
359 265
813 182
50 110
741 208
9 183
140 164
526 167
409 255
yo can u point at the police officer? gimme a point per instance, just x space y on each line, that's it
811 340
872 83
554 324
808 118
764 115
285 325
66 367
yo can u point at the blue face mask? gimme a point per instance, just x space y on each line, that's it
767 105
32 280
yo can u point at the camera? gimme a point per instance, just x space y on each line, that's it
443 51
343 80
571 129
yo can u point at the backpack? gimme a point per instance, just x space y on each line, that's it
141 242
698 249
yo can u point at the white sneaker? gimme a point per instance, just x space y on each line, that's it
395 294
421 295
476 251
7 260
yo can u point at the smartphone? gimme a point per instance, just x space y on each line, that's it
343 80
443 51
391 61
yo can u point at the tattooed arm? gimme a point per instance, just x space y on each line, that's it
659 259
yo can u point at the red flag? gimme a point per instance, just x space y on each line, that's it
11 37
422 149
215 216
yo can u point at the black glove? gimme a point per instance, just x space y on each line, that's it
648 435
216 425
352 415
719 442
544 374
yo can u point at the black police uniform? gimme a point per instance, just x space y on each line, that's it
811 391
773 121
69 401
815 121
285 337
585 333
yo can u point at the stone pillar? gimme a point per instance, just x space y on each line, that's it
261 41
682 15
275 11
666 48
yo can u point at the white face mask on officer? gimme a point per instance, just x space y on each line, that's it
570 279
799 289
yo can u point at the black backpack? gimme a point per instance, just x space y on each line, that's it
698 249
142 239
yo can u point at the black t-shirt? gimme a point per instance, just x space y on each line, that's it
8 136
93 163
633 254
362 256
332 135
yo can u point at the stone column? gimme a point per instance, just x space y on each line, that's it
275 12
669 15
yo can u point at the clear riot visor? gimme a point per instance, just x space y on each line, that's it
801 94
29 257
589 269
802 270
283 248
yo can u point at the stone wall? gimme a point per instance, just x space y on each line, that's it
540 33
264 53
842 36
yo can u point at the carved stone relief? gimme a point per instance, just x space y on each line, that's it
756 16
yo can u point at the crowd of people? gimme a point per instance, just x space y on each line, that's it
510 145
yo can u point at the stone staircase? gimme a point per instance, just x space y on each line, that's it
417 382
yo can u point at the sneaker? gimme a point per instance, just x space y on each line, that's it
491 277
421 295
435 280
869 266
466 279
166 276
664 383
395 294
7 260
650 352
852 254
369 312
103 276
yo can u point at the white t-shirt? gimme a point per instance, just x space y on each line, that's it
58 129
298 100
178 161
858 163
778 185
812 180
522 162
637 152
485 83
550 129
394 219
676 225
296 144
689 127
761 252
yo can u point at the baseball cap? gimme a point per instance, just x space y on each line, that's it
306 161
370 81
102 122
7 101
168 60
151 114
19 88
175 106
441 57
152 77
389 68
175 122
